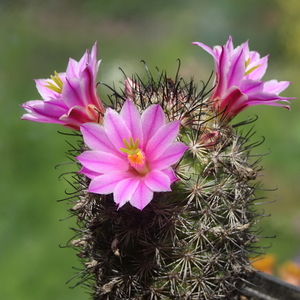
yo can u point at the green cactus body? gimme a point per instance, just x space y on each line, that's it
191 243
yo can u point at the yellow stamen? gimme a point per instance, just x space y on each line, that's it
131 147
136 156
56 84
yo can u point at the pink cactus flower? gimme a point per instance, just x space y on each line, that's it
238 82
131 155
69 98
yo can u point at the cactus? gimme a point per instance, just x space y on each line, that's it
191 243
176 218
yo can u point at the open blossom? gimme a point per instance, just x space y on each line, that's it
238 82
69 98
131 155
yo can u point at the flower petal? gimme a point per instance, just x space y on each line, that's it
142 196
44 91
72 92
206 48
275 87
169 157
106 183
233 102
157 181
116 129
153 118
43 111
95 138
249 86
124 190
258 72
88 173
102 162
88 87
132 118
222 70
75 117
162 140
170 173
237 69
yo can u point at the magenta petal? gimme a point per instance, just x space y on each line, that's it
265 97
43 111
254 56
260 71
124 190
222 71
275 87
88 87
75 117
75 69
89 90
93 57
96 138
170 173
72 69
72 93
237 69
44 91
142 196
40 119
132 119
270 103
161 140
249 86
158 181
233 102
153 118
88 173
206 48
116 129
83 62
51 108
169 157
106 183
102 162
229 44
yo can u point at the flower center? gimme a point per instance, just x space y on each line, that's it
136 157
55 84
247 62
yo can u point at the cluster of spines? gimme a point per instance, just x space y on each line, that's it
191 243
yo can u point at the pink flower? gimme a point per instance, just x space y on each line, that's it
131 155
69 98
238 80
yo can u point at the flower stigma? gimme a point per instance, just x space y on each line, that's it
56 84
136 156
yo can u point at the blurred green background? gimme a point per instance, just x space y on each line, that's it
38 37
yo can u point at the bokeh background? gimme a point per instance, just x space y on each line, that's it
38 37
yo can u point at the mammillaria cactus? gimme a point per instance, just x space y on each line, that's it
166 184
